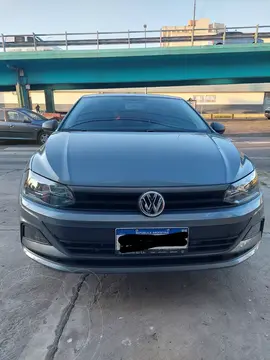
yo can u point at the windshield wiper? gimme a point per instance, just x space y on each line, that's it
166 130
128 119
152 122
85 122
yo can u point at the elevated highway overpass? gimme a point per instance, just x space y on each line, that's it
174 66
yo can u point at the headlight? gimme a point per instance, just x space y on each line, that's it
45 191
243 190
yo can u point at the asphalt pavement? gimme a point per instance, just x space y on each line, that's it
257 149
50 315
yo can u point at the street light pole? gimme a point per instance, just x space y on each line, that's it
193 23
145 29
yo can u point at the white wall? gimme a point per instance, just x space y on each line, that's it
220 98
8 97
223 98
37 97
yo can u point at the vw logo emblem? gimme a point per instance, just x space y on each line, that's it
151 203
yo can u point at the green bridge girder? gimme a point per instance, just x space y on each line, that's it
174 66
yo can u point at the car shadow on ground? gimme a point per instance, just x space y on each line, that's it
216 286
163 315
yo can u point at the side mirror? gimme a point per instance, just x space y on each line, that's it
50 126
218 127
27 121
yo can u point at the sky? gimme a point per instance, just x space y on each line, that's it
50 16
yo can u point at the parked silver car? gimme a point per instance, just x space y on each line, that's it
132 183
22 124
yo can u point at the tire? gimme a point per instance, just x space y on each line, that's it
42 138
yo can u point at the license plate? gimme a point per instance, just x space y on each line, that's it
151 241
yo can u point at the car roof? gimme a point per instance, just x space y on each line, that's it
133 95
234 32
17 109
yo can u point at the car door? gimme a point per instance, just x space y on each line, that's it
4 126
20 126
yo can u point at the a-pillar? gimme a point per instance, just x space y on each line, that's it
49 100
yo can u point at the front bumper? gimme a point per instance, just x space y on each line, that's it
243 224
71 267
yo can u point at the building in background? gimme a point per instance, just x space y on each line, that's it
202 27
205 27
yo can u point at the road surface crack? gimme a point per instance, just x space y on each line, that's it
52 349
98 290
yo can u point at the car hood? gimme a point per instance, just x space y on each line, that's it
140 159
38 122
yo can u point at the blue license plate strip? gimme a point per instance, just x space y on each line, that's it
176 249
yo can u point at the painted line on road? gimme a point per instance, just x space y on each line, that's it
260 157
11 168
24 155
252 142
253 149
21 148
7 162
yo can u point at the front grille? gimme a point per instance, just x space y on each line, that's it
86 248
85 241
215 245
128 201
211 245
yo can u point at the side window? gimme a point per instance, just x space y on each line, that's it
2 115
15 116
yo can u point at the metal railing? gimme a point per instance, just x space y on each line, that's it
145 38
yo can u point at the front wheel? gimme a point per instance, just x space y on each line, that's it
42 138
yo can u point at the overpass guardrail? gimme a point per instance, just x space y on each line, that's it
143 38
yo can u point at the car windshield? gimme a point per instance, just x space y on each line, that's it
34 115
133 113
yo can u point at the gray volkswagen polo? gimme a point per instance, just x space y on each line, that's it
138 183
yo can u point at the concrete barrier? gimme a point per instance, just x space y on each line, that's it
246 127
233 116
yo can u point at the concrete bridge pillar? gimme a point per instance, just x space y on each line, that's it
49 100
22 90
